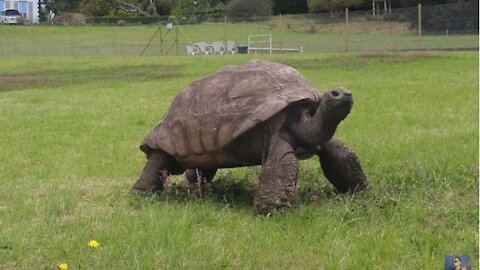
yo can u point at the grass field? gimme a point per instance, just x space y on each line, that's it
71 126
131 40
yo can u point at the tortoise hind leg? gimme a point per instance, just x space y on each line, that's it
342 167
200 176
159 166
278 178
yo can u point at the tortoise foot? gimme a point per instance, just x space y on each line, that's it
268 204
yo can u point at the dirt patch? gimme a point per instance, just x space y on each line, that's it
9 265
69 76
399 55
351 62
363 28
374 27
342 62
9 80
314 25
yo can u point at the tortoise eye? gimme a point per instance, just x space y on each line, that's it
311 112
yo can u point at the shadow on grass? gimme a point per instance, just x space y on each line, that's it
233 193
353 62
227 191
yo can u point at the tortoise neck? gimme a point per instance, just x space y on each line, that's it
326 125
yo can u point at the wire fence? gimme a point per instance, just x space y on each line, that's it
436 27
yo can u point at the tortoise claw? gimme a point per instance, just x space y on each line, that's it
141 192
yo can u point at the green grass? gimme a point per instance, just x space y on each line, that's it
47 40
71 126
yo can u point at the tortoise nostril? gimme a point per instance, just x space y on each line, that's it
347 93
335 93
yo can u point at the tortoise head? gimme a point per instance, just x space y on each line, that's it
318 125
336 105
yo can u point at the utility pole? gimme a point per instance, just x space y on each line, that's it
346 29
419 25
176 37
194 7
225 33
280 26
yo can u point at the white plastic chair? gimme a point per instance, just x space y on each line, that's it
217 47
231 47
203 47
190 50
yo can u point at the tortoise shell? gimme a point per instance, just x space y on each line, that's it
212 112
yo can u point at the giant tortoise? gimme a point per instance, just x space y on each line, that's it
261 113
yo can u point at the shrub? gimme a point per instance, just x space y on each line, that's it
128 20
183 20
192 20
290 6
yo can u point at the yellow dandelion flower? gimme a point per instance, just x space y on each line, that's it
93 244
63 266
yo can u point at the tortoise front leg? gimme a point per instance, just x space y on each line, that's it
342 167
159 166
278 178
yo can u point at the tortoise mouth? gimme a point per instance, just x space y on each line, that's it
348 102
347 107
347 99
338 105
340 109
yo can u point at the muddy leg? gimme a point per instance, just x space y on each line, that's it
159 166
342 167
278 178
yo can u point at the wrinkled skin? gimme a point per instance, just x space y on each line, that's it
224 121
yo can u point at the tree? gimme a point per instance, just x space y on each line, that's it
249 8
290 6
164 7
153 4
62 5
334 6
153 7
98 8
366 5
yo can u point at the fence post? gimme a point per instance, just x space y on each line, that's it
280 26
114 41
71 40
419 25
161 37
346 29
176 38
225 34
1 41
34 43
